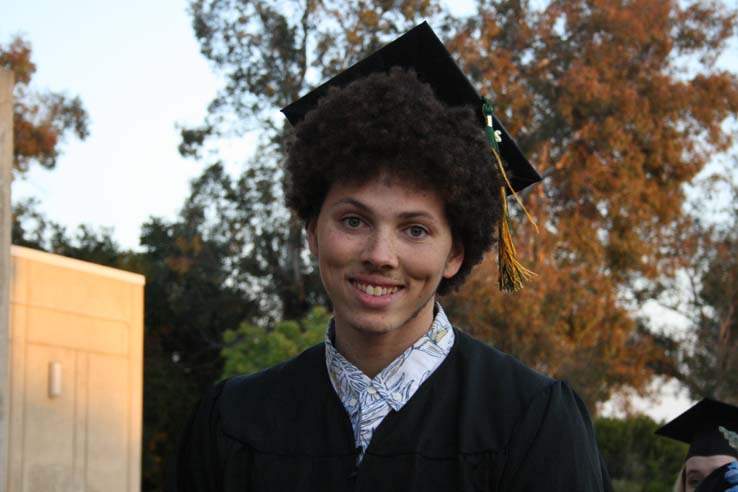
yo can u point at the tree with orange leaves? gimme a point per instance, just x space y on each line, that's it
40 120
620 105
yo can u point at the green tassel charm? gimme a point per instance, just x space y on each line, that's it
511 273
492 136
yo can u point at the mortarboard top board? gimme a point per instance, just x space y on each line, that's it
421 50
699 427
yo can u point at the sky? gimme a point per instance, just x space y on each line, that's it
137 68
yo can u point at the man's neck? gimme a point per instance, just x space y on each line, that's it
372 352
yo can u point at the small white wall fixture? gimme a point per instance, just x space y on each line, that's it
55 379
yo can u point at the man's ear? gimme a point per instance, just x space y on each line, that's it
312 237
454 260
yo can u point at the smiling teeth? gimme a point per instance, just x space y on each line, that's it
376 290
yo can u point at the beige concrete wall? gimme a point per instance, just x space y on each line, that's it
89 320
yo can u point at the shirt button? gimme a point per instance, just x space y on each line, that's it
352 401
371 390
396 396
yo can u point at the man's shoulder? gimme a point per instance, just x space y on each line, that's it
264 408
487 360
497 376
270 410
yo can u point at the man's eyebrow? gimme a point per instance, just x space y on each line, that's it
407 215
352 201
417 214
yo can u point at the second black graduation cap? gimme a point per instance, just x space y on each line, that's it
699 427
421 50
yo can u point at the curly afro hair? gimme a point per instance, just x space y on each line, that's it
392 123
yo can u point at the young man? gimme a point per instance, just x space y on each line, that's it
400 193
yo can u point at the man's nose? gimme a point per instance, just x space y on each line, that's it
380 250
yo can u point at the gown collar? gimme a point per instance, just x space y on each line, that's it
372 398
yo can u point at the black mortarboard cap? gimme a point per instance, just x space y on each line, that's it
420 50
699 427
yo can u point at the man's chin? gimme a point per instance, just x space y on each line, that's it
374 328
376 323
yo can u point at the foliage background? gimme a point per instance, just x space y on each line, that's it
637 459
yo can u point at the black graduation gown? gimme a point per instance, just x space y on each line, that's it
481 422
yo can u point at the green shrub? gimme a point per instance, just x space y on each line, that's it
251 348
638 460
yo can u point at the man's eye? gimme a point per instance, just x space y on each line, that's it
417 231
352 222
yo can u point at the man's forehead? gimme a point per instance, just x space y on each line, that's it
388 195
400 177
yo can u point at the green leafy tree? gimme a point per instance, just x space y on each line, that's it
251 348
191 300
240 214
637 459
704 357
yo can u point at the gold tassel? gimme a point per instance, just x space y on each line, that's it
511 274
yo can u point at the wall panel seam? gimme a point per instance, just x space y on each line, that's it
122 319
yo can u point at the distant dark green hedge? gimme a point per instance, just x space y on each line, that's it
637 459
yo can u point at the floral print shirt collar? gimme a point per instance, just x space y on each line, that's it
368 401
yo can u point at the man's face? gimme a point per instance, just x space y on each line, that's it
696 468
383 248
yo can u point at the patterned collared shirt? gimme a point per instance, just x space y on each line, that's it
368 401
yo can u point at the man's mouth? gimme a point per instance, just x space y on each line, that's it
376 290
